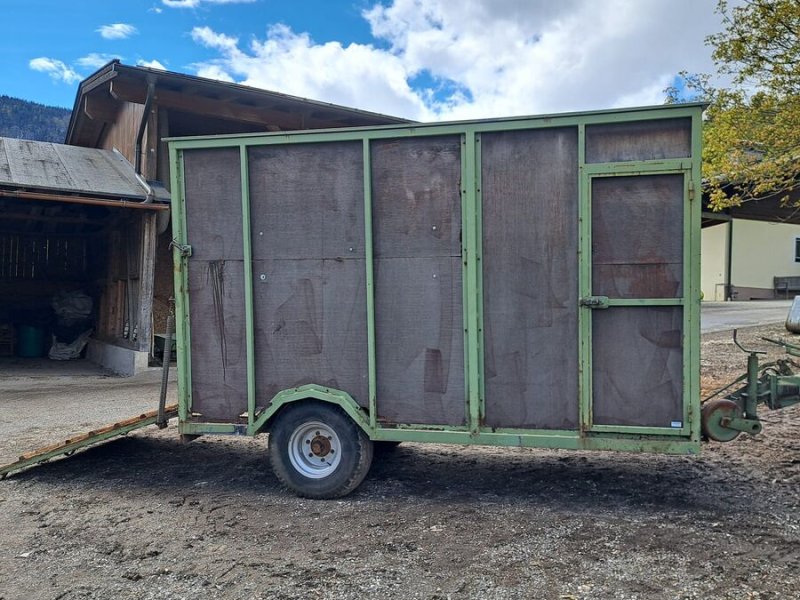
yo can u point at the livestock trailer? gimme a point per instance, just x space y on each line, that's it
518 282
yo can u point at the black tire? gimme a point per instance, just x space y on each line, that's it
309 431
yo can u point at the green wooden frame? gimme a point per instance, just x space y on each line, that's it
588 436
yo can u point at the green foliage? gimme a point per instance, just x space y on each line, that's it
752 130
31 121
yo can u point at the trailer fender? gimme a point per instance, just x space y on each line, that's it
313 392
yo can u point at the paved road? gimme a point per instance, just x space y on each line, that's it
722 316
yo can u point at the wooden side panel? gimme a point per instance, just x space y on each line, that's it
639 140
219 356
637 236
310 326
530 270
418 293
307 201
121 134
307 227
637 370
216 284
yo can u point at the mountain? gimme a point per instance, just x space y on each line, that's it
32 121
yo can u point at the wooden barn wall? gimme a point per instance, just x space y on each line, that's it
418 293
530 271
307 231
121 134
216 284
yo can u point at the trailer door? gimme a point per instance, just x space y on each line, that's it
636 310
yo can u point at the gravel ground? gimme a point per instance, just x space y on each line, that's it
146 517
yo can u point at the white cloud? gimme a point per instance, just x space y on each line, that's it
151 64
95 60
196 3
481 58
56 69
117 31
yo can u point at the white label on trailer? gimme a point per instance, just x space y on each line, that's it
676 424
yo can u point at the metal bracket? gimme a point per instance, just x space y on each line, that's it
594 301
185 250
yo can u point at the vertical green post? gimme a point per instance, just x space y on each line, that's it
181 283
693 296
370 285
248 286
584 285
470 187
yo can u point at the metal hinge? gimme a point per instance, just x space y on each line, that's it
184 249
691 190
594 301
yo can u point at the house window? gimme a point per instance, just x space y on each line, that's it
797 249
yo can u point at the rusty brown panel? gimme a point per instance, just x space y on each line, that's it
637 368
530 277
639 140
637 236
213 189
307 201
416 197
310 326
219 355
420 340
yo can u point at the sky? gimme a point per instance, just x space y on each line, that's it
426 60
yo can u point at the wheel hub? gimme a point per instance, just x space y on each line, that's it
314 449
320 445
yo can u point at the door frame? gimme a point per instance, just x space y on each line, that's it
689 300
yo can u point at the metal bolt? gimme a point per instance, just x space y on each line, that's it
351 248
260 233
434 227
434 276
263 277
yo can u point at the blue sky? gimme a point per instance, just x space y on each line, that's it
424 59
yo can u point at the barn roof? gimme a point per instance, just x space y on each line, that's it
45 169
99 95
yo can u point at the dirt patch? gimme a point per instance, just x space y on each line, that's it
148 518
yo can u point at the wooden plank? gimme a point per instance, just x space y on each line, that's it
637 367
637 236
67 447
639 140
147 280
530 270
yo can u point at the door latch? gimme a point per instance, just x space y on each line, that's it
594 301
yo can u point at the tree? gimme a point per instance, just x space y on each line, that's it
752 129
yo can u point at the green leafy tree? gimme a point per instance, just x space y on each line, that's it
752 130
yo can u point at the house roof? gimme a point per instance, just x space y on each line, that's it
41 169
100 95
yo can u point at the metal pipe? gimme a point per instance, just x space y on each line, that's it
83 200
148 104
729 266
165 360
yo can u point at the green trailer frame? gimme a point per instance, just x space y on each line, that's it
683 438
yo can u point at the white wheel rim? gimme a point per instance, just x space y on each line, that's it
314 450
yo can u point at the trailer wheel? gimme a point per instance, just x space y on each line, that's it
317 451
